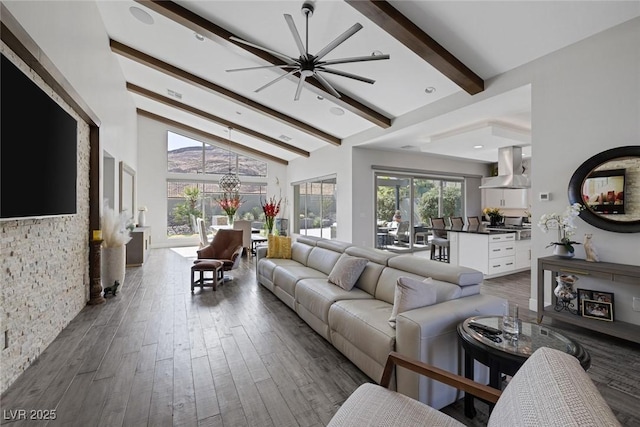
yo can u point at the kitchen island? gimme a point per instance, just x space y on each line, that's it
494 252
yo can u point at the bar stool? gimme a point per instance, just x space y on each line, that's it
439 240
203 267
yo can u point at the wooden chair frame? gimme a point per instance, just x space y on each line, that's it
481 391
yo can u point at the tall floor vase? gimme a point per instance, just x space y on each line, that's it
113 265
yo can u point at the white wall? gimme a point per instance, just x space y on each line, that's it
586 99
152 177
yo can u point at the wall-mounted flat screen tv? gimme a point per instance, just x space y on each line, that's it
38 150
603 191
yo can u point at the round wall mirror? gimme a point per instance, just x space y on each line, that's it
608 187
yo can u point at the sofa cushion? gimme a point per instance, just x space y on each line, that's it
412 293
300 252
278 247
386 286
266 267
347 271
375 255
323 259
461 276
317 296
287 276
334 245
551 389
364 324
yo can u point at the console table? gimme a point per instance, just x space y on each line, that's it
138 246
620 273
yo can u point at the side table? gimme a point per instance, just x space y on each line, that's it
507 356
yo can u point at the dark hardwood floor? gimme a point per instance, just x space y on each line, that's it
156 355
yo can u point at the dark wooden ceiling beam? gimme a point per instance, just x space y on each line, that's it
219 120
399 26
156 64
212 31
224 141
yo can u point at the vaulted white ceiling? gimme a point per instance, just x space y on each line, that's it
173 72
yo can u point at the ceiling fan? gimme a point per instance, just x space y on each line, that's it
308 65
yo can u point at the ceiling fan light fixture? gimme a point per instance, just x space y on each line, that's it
308 65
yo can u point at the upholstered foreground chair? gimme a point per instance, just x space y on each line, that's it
226 247
245 226
439 240
550 389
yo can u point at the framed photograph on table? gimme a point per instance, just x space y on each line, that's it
583 294
597 310
603 296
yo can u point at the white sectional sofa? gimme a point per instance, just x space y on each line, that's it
356 322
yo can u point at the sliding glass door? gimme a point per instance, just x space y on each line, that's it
416 199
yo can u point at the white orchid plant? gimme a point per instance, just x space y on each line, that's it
565 225
116 228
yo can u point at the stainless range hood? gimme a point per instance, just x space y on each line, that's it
509 170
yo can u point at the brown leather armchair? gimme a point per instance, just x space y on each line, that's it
226 247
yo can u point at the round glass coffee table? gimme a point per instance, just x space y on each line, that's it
505 356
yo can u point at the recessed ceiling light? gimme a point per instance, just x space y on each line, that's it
478 146
430 90
239 113
200 37
376 53
285 138
336 111
320 97
141 15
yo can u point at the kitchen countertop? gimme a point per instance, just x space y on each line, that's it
475 229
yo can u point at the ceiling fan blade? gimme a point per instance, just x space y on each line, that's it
259 68
296 34
299 89
275 80
340 39
345 74
281 56
326 85
354 59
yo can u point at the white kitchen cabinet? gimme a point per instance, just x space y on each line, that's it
493 254
505 198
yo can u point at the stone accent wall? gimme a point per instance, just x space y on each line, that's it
44 264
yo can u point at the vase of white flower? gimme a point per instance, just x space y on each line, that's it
563 247
116 230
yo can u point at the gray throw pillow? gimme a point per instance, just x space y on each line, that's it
347 271
411 293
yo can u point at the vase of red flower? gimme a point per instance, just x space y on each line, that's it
230 203
271 208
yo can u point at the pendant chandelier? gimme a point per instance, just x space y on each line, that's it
229 183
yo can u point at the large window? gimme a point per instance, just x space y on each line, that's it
405 205
193 171
314 208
